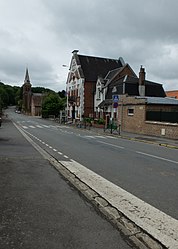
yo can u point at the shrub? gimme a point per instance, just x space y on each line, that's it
100 121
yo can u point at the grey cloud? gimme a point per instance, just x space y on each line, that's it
142 32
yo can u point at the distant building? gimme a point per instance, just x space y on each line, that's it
109 89
155 116
172 94
32 102
123 81
81 83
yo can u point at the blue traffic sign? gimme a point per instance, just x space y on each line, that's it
115 98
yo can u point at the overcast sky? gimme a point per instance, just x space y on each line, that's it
41 34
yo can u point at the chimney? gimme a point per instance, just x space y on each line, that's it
142 81
75 51
142 76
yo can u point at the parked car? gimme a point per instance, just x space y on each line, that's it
17 111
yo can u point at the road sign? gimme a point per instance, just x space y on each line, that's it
115 105
115 98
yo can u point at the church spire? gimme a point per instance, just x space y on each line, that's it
27 78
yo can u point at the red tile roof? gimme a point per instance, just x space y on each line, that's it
172 94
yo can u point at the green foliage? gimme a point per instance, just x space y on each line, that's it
62 94
52 104
88 120
4 98
8 95
100 121
39 89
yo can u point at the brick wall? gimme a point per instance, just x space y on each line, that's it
89 89
135 122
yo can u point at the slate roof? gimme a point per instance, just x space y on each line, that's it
113 72
130 85
37 99
27 78
161 101
93 67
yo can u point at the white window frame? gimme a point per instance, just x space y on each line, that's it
130 111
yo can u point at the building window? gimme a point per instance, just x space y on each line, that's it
130 112
98 93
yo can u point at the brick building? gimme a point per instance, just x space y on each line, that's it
156 116
81 83
124 82
172 94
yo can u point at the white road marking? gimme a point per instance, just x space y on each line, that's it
24 127
157 157
117 146
60 153
31 126
157 223
54 150
39 126
89 137
62 126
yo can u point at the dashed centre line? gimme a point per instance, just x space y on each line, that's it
160 158
117 146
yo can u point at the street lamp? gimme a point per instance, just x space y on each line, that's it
64 65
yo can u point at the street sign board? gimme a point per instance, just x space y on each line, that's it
115 105
115 98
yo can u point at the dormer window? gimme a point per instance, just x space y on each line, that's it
98 93
114 89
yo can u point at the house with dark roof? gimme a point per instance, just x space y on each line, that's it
81 83
123 82
110 89
141 105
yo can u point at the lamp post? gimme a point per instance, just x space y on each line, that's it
64 65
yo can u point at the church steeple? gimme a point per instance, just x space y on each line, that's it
27 93
27 78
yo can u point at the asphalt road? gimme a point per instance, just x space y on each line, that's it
148 171
38 208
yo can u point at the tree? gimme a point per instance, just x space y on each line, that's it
40 89
4 97
52 104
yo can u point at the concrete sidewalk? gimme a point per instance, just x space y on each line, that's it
162 141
